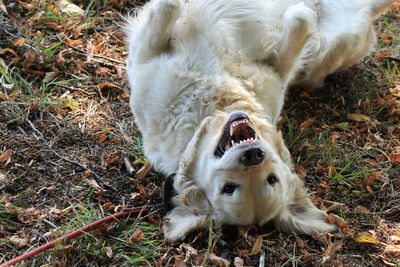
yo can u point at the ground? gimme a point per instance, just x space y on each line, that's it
64 73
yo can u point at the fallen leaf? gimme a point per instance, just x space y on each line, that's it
144 170
257 245
392 250
18 242
87 172
6 157
395 157
190 251
220 262
365 237
136 237
361 208
306 124
4 97
358 117
102 138
342 125
92 183
49 76
70 8
329 253
109 252
20 42
382 54
337 220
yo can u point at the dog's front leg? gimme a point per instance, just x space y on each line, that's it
156 33
298 23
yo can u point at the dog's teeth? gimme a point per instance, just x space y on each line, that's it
232 142
231 132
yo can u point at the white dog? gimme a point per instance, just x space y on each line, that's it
208 81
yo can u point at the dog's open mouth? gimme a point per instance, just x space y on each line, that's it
238 130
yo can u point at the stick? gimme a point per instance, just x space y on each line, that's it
74 234
95 175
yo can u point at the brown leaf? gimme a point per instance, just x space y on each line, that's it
337 220
20 42
4 97
137 236
329 253
114 157
6 157
220 262
257 245
102 138
18 242
363 209
395 157
92 183
382 54
144 170
306 124
87 172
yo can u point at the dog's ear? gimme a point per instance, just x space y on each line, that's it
182 221
300 214
298 23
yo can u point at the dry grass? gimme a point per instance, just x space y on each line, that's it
66 76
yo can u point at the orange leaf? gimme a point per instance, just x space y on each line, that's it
380 100
369 189
102 138
306 124
382 54
361 208
137 236
395 157
20 42
4 97
87 172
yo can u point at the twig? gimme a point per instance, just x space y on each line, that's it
52 225
98 56
262 259
87 228
95 175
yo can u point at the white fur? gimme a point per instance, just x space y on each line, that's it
194 63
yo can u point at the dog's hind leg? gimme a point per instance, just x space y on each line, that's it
298 24
150 33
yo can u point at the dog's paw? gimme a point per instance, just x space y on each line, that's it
165 12
300 16
181 221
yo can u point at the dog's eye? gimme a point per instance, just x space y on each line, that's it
229 188
272 179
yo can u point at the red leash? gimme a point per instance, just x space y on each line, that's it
76 233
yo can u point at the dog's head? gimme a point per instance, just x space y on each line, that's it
237 170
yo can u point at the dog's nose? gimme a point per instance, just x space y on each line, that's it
252 156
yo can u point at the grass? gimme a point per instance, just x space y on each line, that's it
70 112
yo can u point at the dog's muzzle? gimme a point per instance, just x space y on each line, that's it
239 131
252 156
